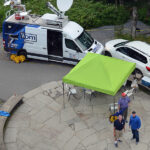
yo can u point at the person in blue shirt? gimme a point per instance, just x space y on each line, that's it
135 124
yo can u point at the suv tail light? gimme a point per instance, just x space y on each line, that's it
3 43
148 68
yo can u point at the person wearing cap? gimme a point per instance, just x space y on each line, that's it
135 124
119 126
123 105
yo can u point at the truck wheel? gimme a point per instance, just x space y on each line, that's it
108 54
22 56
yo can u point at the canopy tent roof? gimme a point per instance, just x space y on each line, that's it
100 73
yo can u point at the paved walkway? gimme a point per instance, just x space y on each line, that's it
41 123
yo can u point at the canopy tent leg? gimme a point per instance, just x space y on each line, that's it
84 93
114 107
63 95
114 103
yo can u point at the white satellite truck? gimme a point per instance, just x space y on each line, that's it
51 37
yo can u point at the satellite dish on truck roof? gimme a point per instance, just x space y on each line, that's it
64 5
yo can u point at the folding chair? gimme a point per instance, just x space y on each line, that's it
134 84
130 92
89 92
71 91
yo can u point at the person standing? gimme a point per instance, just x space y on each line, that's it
119 125
135 124
123 105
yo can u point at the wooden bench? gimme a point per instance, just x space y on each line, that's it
8 106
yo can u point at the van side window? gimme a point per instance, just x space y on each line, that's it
71 45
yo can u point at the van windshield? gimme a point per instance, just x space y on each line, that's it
85 41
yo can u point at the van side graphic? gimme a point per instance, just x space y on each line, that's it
28 37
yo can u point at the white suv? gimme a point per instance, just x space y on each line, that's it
135 51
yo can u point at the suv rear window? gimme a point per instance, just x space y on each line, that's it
138 56
133 54
121 44
124 50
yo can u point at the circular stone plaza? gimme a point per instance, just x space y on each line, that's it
43 123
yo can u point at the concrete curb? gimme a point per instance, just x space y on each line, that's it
8 106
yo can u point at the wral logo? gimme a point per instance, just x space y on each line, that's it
29 37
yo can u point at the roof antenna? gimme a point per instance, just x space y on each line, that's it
63 6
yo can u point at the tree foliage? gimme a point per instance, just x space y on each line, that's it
88 13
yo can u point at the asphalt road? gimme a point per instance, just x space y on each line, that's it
20 78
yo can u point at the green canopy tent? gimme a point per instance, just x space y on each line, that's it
100 73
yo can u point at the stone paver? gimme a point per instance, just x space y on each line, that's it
35 103
43 115
102 145
65 136
12 146
41 122
72 143
29 136
10 135
21 145
90 140
82 134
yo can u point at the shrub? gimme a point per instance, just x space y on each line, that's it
143 15
87 13
97 14
2 14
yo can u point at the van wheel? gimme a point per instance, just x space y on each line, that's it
106 53
24 53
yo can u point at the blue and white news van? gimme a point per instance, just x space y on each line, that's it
51 37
